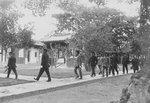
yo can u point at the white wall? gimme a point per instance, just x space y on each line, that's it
3 57
34 58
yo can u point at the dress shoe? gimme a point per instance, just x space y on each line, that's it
36 79
76 77
49 80
80 77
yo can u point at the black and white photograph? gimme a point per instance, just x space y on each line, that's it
74 51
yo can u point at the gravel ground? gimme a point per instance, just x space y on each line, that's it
104 91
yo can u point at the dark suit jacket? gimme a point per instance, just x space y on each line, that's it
12 62
45 60
93 61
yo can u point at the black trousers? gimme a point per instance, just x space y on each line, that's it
125 67
76 72
135 69
93 70
12 69
46 69
114 68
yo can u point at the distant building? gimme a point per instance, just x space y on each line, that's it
29 55
23 55
3 55
58 45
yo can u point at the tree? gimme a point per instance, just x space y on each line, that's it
140 80
5 4
24 38
38 7
103 2
8 22
7 34
9 25
87 23
99 2
91 27
101 24
136 48
144 29
124 32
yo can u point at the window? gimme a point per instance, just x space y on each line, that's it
35 54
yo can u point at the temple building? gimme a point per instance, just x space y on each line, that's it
58 46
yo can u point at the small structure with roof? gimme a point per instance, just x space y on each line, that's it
58 44
29 55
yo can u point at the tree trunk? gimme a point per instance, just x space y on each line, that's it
5 54
2 54
139 86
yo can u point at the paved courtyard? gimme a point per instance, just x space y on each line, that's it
102 91
10 81
63 82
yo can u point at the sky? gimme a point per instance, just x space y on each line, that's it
42 25
47 24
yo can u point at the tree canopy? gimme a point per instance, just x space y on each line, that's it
38 7
96 29
9 34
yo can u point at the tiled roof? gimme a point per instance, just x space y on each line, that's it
56 37
38 43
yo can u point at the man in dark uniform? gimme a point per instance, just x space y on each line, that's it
114 62
12 65
93 62
125 61
135 64
44 66
111 66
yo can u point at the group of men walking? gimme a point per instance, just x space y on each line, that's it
107 64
